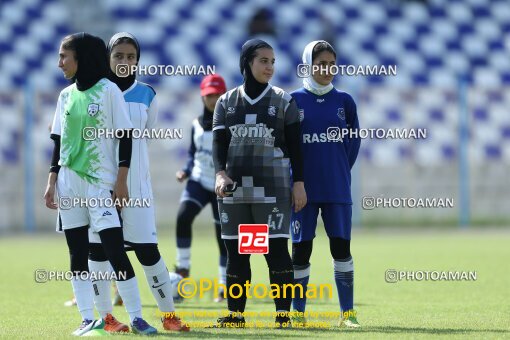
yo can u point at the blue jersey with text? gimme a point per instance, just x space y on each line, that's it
329 152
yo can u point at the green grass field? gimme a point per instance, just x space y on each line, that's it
407 309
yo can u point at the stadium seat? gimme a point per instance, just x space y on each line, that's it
432 45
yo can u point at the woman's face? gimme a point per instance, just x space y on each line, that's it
210 100
262 66
122 54
323 75
67 62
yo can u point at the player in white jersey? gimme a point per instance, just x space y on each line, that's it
86 165
138 221
199 190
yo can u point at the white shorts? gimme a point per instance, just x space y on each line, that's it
138 226
69 186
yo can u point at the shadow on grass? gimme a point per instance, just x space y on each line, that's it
268 333
424 330
250 333
223 305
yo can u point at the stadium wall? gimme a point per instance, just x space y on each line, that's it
413 174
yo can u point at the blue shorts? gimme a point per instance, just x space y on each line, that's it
337 220
197 194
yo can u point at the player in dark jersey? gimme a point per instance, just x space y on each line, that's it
256 135
324 109
200 187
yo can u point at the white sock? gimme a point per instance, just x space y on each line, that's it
223 275
159 283
129 293
102 295
183 257
83 293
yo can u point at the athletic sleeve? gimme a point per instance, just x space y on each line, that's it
56 125
191 154
152 114
118 108
219 115
55 133
125 150
293 141
55 157
353 124
121 121
220 140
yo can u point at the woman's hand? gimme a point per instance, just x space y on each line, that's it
222 180
298 196
49 196
181 176
120 190
49 193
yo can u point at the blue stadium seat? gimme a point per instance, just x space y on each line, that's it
433 45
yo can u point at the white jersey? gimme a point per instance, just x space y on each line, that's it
203 165
78 116
142 111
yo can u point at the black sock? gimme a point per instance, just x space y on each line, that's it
280 271
238 272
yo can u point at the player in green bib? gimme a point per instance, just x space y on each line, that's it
86 165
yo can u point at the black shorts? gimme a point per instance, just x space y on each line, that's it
276 215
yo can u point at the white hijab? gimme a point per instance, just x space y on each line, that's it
308 82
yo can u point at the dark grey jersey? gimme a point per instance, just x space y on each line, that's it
257 154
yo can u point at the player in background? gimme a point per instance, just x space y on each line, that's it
200 187
88 169
138 223
255 143
328 161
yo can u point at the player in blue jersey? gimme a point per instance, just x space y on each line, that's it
199 190
325 113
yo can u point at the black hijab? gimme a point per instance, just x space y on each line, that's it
123 82
92 61
206 119
252 87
